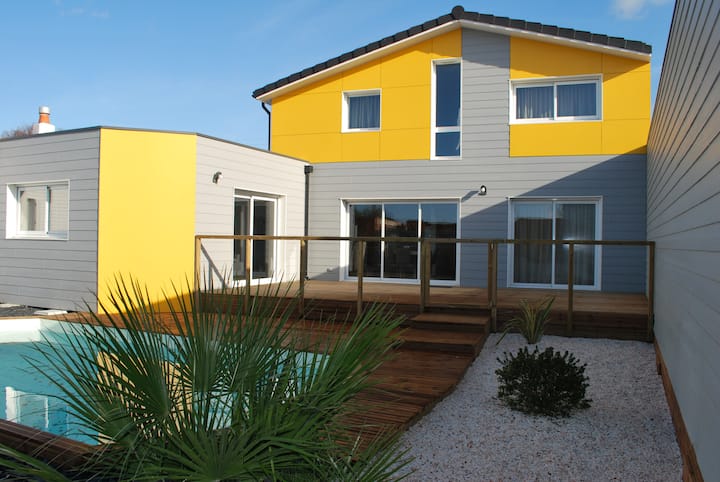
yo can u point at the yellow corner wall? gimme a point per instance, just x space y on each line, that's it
146 223
625 102
306 123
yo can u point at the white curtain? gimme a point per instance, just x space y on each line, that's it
576 100
364 112
534 102
575 222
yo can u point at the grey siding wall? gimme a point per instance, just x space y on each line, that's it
52 273
684 221
250 170
618 180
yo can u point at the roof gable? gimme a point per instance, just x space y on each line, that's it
456 19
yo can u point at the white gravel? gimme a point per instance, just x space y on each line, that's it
626 434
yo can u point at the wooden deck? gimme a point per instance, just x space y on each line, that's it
595 313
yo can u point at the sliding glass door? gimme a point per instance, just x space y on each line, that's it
400 260
547 264
256 216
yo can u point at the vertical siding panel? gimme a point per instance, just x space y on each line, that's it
684 220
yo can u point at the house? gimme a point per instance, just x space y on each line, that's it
684 221
84 206
474 126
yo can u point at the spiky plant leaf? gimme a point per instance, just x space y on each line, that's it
226 396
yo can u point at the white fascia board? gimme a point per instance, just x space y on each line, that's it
447 27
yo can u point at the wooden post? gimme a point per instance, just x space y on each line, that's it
303 275
248 266
424 274
651 292
360 264
492 282
571 286
196 274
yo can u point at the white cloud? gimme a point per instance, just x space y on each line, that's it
629 9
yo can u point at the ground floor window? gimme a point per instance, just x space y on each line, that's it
554 219
395 260
255 215
38 210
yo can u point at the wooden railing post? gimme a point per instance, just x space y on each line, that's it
248 266
651 291
571 286
196 271
303 276
492 283
360 264
424 274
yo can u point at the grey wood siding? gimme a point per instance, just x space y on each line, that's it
250 170
619 180
684 221
52 273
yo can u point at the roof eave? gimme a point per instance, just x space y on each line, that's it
568 42
349 64
439 30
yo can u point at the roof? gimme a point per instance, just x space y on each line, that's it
459 16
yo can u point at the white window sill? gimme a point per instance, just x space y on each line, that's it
555 121
347 131
42 237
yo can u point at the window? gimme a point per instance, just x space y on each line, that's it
446 135
558 100
38 210
395 260
361 111
546 265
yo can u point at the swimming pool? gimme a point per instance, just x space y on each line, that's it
28 397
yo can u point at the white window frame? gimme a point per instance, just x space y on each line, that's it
433 97
346 109
346 204
251 197
13 216
554 82
513 201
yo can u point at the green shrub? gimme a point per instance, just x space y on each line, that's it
542 383
532 319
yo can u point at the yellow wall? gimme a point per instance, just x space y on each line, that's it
625 102
306 123
146 213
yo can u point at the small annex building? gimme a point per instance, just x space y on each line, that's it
84 206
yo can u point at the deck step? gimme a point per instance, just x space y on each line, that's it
448 341
465 322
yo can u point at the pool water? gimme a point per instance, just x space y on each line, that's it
26 397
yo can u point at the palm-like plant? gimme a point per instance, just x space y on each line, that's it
532 319
226 396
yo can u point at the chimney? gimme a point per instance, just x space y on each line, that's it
43 125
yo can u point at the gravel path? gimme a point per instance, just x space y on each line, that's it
626 434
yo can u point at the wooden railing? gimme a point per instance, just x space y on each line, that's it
493 246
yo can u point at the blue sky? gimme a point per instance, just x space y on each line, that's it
192 66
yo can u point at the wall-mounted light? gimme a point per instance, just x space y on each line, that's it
482 191
216 177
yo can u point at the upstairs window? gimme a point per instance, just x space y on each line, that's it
38 210
557 100
446 134
361 111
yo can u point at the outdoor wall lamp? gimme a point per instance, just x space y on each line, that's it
216 177
482 191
